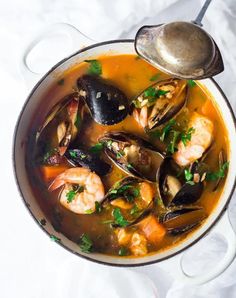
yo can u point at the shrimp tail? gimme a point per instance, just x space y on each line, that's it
57 182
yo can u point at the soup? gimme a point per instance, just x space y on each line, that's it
128 161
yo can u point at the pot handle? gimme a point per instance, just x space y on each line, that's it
175 264
76 38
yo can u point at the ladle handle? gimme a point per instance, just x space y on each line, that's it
175 265
201 13
77 41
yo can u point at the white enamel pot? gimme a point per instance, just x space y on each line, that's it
218 220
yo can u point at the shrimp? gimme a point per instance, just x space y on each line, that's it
91 189
200 140
142 117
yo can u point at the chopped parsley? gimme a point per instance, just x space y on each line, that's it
71 194
78 121
109 143
86 243
191 83
48 154
155 77
134 210
95 67
172 146
97 148
186 136
120 154
127 191
211 176
118 218
73 153
122 251
159 202
167 128
188 175
55 238
89 211
98 207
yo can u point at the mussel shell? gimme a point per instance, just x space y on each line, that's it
165 108
188 192
107 104
127 139
182 220
84 158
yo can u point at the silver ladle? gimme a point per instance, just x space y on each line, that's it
181 49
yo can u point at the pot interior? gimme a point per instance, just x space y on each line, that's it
33 104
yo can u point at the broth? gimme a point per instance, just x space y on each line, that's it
132 75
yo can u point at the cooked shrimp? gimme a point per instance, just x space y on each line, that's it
200 140
142 117
82 201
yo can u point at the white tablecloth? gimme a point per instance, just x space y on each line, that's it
30 264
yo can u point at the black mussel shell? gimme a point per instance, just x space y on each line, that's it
89 160
107 104
161 101
182 220
173 190
133 154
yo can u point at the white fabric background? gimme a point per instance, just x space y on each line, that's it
31 266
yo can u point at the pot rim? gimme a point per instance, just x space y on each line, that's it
32 214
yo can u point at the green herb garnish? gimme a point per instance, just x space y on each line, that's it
55 238
134 210
188 175
172 147
78 121
97 148
122 251
120 154
191 83
95 67
73 154
167 128
211 176
155 77
98 207
89 211
70 196
118 217
159 202
86 243
186 136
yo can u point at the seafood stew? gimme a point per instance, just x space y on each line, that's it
128 161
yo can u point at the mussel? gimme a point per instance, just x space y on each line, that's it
173 189
160 102
62 124
182 220
84 158
107 104
133 154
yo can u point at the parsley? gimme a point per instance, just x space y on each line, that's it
120 154
155 77
109 144
122 251
153 93
86 243
167 129
171 148
55 238
188 175
159 202
48 154
219 174
186 136
97 148
78 121
191 83
89 211
61 82
70 196
119 219
98 207
95 67
73 153
134 210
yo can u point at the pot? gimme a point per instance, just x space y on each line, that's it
172 257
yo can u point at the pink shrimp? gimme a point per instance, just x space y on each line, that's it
91 189
201 139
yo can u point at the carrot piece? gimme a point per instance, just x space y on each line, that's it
153 230
51 172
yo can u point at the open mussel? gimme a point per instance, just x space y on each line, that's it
62 124
160 102
133 196
84 158
174 189
182 220
107 104
132 154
